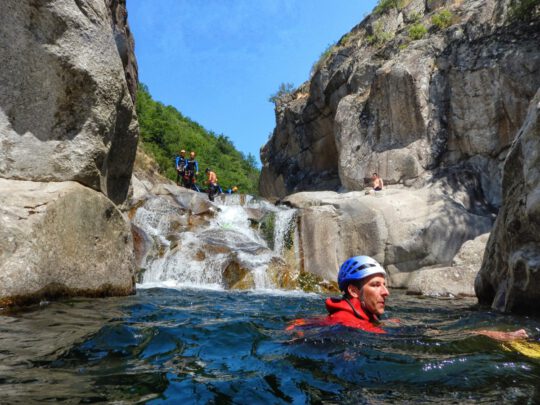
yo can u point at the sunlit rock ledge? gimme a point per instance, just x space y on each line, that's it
405 229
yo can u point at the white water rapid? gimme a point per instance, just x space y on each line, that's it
212 251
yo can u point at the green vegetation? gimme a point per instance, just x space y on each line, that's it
384 5
326 53
284 89
379 36
164 131
443 19
417 31
524 9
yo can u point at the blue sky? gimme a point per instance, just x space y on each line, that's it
218 61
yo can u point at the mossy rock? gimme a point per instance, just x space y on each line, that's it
309 282
236 277
266 228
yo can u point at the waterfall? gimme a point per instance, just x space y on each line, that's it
283 225
224 250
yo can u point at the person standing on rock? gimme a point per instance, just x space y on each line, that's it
212 181
180 164
377 182
191 171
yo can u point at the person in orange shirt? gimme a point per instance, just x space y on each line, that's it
212 181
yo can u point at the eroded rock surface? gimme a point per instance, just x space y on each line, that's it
509 279
67 117
61 239
404 229
382 102
67 88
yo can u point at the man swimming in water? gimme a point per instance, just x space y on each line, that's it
363 283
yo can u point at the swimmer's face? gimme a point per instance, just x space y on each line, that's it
372 294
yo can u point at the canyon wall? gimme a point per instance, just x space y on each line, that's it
434 96
68 137
384 102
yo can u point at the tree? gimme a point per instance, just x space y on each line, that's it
284 89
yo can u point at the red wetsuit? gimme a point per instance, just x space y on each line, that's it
340 312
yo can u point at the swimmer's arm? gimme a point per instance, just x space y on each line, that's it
502 336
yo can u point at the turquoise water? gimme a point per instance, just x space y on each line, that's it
200 346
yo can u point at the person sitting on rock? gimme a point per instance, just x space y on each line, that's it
212 181
180 164
377 182
190 172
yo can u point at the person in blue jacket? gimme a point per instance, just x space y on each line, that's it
180 164
191 171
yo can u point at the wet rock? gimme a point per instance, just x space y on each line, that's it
236 277
61 239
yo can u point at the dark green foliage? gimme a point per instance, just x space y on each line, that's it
284 89
417 31
442 20
164 131
525 9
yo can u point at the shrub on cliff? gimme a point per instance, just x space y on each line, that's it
417 31
283 90
442 20
164 131
385 5
326 53
379 36
525 9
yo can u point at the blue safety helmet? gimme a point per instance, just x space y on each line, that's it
357 268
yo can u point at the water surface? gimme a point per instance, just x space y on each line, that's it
202 346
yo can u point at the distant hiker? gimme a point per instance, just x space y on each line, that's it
213 186
232 190
190 172
180 164
377 182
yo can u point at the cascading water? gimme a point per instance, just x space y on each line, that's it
219 252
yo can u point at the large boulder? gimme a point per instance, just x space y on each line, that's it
509 279
67 88
456 280
404 229
61 239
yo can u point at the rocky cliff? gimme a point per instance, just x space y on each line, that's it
431 95
66 101
509 279
404 94
68 136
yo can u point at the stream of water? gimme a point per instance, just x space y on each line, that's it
172 343
180 346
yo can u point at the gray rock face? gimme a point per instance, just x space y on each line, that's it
67 88
509 279
61 239
384 103
405 230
